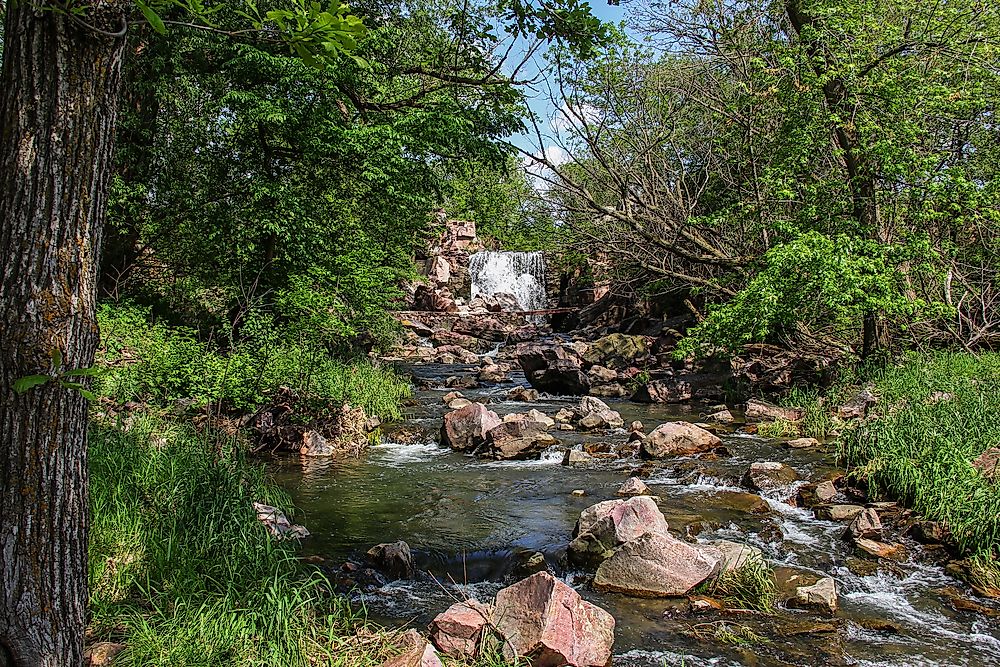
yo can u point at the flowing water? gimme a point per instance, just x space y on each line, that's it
519 273
468 520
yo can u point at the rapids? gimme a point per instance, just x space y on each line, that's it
467 520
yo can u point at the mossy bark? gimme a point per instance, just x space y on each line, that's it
59 89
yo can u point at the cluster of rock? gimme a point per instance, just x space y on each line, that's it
629 544
477 430
610 367
539 618
473 428
287 425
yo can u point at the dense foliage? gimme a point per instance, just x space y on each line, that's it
158 365
251 184
810 169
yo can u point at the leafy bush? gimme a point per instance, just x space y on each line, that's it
153 362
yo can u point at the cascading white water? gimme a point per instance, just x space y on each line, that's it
519 273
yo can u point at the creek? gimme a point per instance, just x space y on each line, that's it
468 520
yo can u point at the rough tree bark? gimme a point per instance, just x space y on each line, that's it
58 95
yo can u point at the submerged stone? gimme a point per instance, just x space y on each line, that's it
654 565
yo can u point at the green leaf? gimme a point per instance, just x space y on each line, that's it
304 54
57 358
152 17
76 386
93 371
22 385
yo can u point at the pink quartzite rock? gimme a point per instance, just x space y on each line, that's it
678 439
457 631
547 621
419 652
466 428
604 526
655 566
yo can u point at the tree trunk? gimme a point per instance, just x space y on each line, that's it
58 95
857 170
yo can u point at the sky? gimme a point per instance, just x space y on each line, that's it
539 101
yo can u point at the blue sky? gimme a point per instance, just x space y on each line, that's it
540 102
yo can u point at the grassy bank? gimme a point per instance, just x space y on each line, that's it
935 415
182 572
184 575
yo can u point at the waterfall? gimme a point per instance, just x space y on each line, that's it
519 273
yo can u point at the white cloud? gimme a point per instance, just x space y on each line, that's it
556 155
567 117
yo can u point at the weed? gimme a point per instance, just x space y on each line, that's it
818 421
751 586
935 415
729 633
779 428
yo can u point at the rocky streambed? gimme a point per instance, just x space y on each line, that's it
477 524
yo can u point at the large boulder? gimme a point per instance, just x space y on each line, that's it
563 376
761 411
678 439
518 439
458 630
595 414
617 349
611 523
545 619
466 428
654 566
556 369
393 559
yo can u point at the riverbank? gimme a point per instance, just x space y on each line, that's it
183 572
931 442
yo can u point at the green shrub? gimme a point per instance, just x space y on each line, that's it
152 362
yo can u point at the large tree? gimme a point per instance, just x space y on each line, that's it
802 170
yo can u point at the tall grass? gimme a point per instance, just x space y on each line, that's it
818 420
751 586
182 572
935 415
184 575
